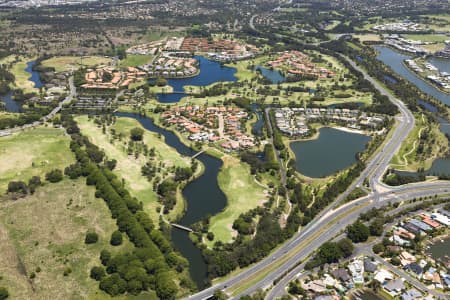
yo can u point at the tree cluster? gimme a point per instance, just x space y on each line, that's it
148 265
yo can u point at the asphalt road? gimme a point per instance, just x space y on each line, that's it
345 214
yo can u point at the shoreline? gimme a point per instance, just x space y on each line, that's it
429 82
411 55
316 135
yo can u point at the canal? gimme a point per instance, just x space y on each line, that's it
394 59
203 197
332 151
210 72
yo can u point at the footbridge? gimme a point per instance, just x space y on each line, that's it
197 154
182 227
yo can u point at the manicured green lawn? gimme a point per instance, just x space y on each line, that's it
21 76
407 158
68 63
427 37
33 153
242 192
135 60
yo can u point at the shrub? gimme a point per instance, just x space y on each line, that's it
136 134
358 232
97 273
17 187
4 294
116 238
378 248
91 238
55 175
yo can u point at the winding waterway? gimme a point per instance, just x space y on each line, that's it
210 72
11 104
35 77
16 106
203 197
395 60
332 151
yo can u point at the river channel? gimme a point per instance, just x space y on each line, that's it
203 197
394 59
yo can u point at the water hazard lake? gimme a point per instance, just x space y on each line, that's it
332 151
210 72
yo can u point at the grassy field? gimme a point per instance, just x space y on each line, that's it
242 192
367 37
46 232
33 152
434 47
435 38
128 166
22 82
155 35
67 63
135 60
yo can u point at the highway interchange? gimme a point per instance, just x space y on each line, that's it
334 219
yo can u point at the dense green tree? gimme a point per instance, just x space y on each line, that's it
17 187
376 226
161 81
113 285
358 232
116 238
165 286
105 256
378 248
55 175
395 261
97 273
4 294
329 252
136 134
346 247
91 237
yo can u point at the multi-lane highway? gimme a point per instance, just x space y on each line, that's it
334 219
